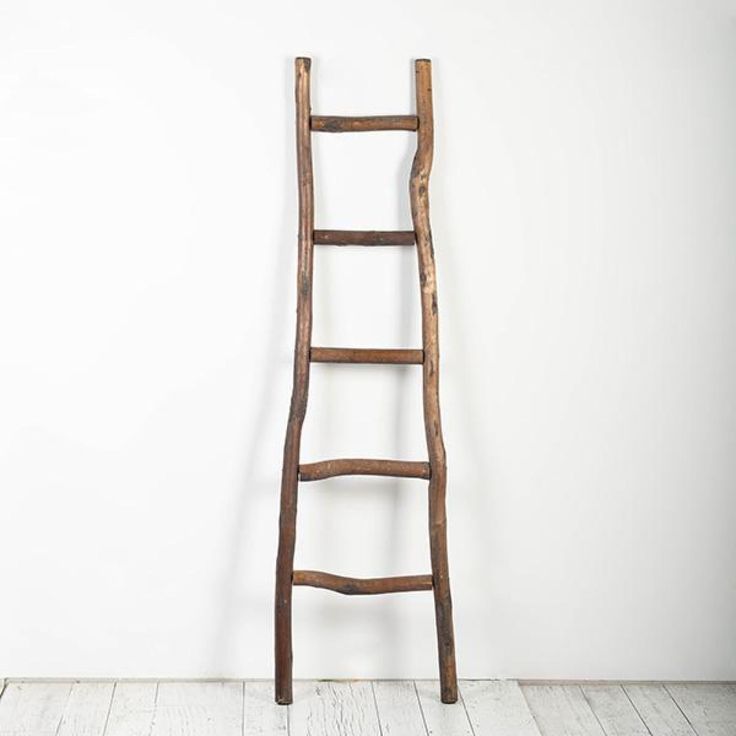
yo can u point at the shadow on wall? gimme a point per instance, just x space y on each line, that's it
245 566
242 582
475 496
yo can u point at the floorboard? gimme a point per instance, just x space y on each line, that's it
710 709
132 709
497 707
441 719
33 709
561 710
261 715
614 711
87 709
365 708
658 710
326 708
198 709
398 708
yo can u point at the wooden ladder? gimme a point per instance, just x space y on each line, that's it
434 471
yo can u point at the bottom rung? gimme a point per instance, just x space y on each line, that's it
361 586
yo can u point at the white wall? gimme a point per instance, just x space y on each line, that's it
585 226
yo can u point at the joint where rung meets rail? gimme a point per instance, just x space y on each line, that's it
361 586
362 123
388 356
364 237
359 466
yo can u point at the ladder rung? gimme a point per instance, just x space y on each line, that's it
361 586
355 124
364 237
355 466
397 356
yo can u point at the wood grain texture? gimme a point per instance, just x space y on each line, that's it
363 237
333 709
33 708
561 710
399 713
396 356
132 710
614 711
423 122
440 718
419 197
497 707
199 709
261 716
710 708
87 709
358 466
290 470
362 586
362 123
658 710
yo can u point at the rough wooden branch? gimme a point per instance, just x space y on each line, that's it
289 473
419 197
357 466
364 237
367 355
357 124
362 586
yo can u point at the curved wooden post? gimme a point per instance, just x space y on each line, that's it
418 188
290 471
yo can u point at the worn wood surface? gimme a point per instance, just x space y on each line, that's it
334 709
199 709
614 711
86 709
362 586
356 466
290 470
360 123
399 712
561 710
401 708
419 197
658 710
441 719
132 710
498 707
261 716
364 237
710 708
33 709
396 356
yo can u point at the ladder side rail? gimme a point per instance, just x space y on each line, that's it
419 197
290 471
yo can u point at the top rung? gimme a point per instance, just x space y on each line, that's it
341 124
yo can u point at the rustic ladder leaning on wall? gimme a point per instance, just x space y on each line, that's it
435 471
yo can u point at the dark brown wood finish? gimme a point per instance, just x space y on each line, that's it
435 471
396 356
362 586
419 197
290 470
357 466
342 124
364 237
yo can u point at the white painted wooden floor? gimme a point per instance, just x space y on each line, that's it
364 708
